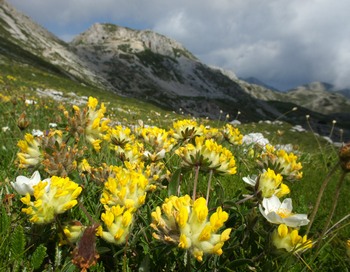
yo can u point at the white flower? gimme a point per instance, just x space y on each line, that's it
281 213
4 129
52 125
24 185
37 132
255 138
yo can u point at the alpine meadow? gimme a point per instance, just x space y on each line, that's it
121 151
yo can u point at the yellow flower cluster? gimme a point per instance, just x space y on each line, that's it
232 135
124 192
289 239
186 224
119 136
118 220
126 188
271 184
59 197
208 155
159 140
89 122
30 152
284 163
187 129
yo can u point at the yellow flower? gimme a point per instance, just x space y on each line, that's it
232 135
127 188
185 223
157 139
187 129
118 220
119 136
282 162
30 152
271 184
289 239
209 155
58 198
348 247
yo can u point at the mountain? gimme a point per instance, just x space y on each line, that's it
156 69
320 97
256 81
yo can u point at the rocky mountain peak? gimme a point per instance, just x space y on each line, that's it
130 40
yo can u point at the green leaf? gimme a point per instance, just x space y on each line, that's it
38 256
17 242
4 221
174 182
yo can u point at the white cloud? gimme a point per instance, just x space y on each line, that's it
282 42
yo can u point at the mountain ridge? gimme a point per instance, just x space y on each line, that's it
154 68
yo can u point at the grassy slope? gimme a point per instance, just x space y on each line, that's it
317 156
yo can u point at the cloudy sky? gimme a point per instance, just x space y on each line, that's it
284 43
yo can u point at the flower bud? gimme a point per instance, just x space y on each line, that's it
344 157
23 121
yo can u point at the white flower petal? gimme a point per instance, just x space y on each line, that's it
296 220
272 203
287 204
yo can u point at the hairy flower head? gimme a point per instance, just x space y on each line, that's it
186 224
59 198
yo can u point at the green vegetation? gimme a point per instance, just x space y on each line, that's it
27 245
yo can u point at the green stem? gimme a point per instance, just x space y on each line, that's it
209 183
319 197
195 184
335 202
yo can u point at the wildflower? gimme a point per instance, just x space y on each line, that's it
289 239
159 140
71 233
185 223
232 135
118 220
89 122
131 152
268 184
119 136
23 121
186 129
30 153
255 139
281 213
24 185
85 254
60 197
348 247
282 162
84 166
52 125
126 188
37 133
344 157
4 129
208 155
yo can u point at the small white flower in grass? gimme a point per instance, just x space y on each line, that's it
24 185
281 213
52 125
37 132
4 129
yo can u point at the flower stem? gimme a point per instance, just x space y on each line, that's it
319 197
209 182
195 183
335 202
